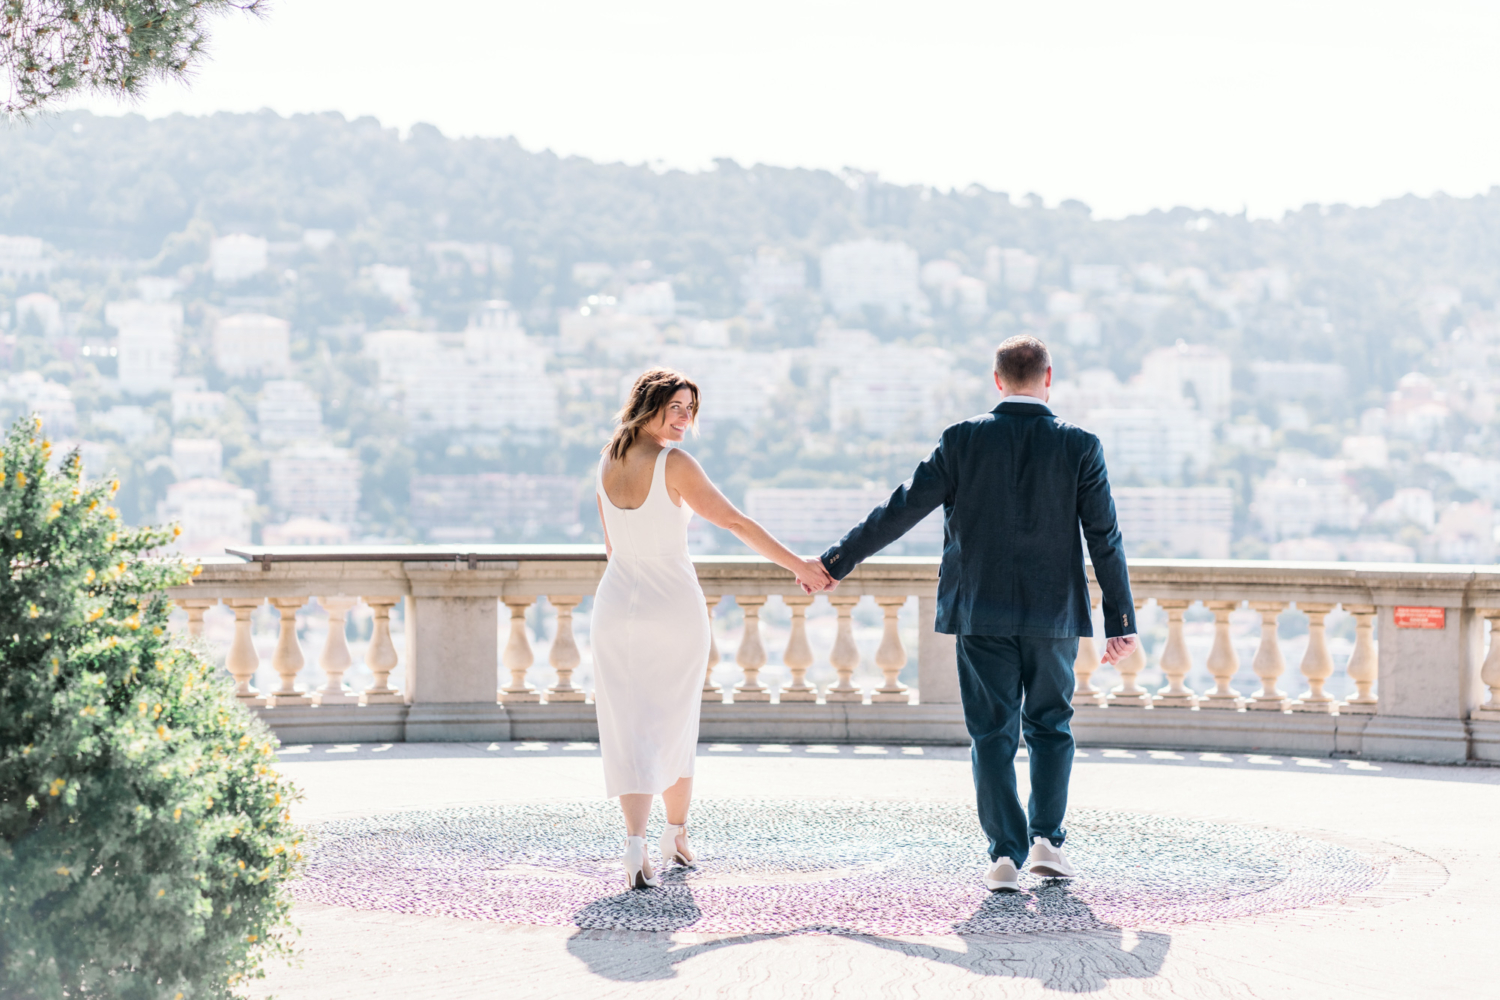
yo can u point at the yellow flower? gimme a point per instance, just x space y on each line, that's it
90 576
197 569
112 536
18 532
34 611
161 732
55 511
114 486
252 939
176 531
176 814
241 864
58 784
21 479
95 615
64 871
92 505
159 894
133 622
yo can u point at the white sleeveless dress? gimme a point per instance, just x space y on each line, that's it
650 640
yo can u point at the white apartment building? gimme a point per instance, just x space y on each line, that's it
734 386
493 377
197 458
813 519
213 514
494 506
288 411
477 258
873 273
953 289
314 480
28 392
1191 369
1176 522
1095 277
1303 494
652 299
249 344
1366 451
1296 379
1473 473
1152 444
1411 505
130 422
620 334
147 343
23 257
236 257
395 284
773 274
306 531
196 404
46 309
888 390
1083 329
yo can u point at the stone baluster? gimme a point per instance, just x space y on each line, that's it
195 608
286 658
1176 662
798 656
1223 661
845 654
1489 671
243 661
518 656
711 691
890 656
1084 667
1317 662
1364 662
564 656
335 659
380 656
1129 694
1269 664
751 655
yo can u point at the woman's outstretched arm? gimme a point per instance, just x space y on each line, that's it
686 478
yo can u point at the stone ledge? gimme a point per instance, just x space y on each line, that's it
337 723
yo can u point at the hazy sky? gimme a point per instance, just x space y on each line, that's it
1264 105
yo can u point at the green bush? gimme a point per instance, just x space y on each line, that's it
145 839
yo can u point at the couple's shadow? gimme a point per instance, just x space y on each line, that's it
1068 961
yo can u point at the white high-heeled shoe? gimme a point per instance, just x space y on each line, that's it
670 851
638 874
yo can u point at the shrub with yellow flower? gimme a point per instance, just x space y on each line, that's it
130 776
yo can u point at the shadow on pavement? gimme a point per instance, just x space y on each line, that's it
1065 961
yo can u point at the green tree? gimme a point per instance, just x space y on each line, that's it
53 47
145 838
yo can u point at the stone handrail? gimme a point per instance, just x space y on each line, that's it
1419 693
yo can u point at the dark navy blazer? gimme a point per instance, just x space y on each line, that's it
1015 485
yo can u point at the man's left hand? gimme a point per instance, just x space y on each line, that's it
1117 648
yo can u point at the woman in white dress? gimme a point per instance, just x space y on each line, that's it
650 626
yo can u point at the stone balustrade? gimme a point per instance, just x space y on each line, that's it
1427 690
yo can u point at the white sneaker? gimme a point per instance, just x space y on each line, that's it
1048 861
1003 877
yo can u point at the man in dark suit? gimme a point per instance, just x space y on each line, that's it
1016 486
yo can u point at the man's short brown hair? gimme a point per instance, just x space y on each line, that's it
1022 361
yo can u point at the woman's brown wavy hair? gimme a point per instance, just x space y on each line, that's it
648 397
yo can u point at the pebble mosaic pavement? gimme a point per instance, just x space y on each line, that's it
906 868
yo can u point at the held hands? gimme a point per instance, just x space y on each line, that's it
1118 648
814 578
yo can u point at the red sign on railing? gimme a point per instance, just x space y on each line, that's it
1419 618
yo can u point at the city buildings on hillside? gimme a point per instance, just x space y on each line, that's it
491 378
1298 379
813 519
148 333
288 411
495 506
197 458
29 392
619 334
213 515
872 273
1302 495
772 275
653 299
131 423
238 256
1161 444
1014 268
248 344
1191 371
316 480
1194 522
23 257
192 402
889 390
306 531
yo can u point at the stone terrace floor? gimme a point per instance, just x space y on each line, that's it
490 870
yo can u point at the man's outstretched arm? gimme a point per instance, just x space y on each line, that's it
1101 532
928 488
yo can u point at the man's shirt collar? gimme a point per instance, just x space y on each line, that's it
1019 398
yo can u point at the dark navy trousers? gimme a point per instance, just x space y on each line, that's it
1011 683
